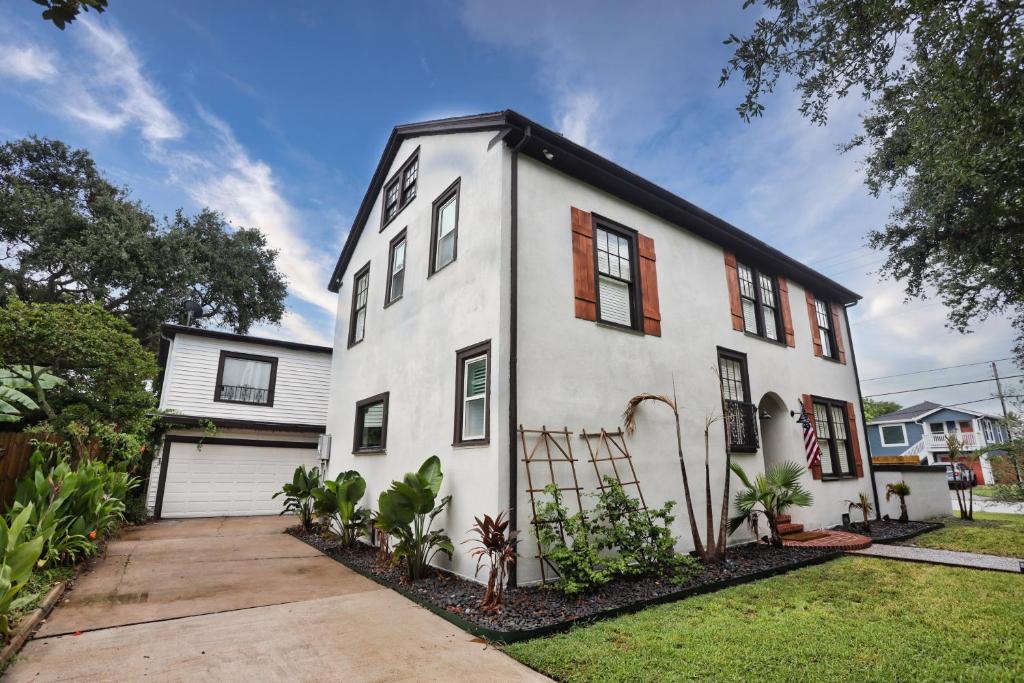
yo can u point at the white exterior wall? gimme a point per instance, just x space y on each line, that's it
579 374
409 347
929 493
190 379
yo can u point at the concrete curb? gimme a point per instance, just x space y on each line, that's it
30 621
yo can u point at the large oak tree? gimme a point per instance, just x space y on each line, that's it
944 130
69 235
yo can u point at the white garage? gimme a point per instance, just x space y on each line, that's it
226 477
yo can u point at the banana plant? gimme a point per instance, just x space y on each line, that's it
407 511
20 552
298 495
14 402
338 500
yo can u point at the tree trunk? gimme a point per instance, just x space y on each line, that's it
712 546
722 521
904 517
697 545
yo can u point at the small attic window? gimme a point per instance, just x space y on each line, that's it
400 190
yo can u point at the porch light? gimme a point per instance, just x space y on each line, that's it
765 415
846 521
547 155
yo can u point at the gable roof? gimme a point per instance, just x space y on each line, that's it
552 149
922 410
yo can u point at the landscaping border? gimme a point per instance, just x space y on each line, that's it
30 621
515 636
932 526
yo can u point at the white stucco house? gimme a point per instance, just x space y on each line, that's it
242 413
499 275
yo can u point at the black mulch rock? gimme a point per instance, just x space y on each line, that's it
532 608
890 530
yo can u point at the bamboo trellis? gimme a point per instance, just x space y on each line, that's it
547 449
610 447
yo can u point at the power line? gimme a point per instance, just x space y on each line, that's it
948 367
979 400
940 386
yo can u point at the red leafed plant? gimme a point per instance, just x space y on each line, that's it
498 548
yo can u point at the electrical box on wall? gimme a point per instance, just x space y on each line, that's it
323 449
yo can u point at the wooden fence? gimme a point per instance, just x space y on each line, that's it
15 450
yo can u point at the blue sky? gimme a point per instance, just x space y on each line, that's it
276 113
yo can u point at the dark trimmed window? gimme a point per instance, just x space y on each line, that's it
473 395
396 270
360 295
759 296
444 228
616 272
246 378
832 426
822 314
371 428
400 190
740 414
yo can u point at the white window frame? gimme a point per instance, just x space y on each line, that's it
467 399
881 434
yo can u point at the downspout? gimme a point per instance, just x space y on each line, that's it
864 423
513 453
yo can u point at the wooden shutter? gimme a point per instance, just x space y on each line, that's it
851 418
787 316
812 316
837 331
583 264
809 407
732 280
649 286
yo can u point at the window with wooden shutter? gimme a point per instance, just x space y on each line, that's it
838 333
583 264
858 462
649 286
758 302
812 316
732 281
808 405
616 277
787 315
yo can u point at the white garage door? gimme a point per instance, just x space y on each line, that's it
229 480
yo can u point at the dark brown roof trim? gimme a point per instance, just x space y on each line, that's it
583 164
198 421
170 330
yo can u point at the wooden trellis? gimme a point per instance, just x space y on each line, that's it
549 448
610 447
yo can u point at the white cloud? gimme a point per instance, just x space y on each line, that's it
294 327
27 62
576 117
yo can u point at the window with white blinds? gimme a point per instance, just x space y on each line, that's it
830 422
444 228
360 296
472 371
616 277
396 269
371 428
825 331
759 298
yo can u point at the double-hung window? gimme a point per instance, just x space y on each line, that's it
826 330
759 296
396 269
616 276
444 230
472 401
830 423
360 295
246 378
371 427
400 190
740 413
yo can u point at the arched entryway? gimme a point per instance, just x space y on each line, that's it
777 430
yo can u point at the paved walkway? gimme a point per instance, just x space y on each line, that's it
835 540
234 598
947 557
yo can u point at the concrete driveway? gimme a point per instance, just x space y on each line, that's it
234 598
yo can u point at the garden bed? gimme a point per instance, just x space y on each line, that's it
534 611
890 530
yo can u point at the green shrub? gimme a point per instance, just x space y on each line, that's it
135 509
19 552
338 501
407 511
298 495
578 555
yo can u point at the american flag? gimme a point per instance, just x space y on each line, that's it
811 448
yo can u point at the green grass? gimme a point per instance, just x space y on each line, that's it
983 491
853 619
992 533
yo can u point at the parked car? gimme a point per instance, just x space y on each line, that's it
959 476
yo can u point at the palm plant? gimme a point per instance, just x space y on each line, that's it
901 490
407 511
956 452
769 496
499 549
863 503
338 500
298 495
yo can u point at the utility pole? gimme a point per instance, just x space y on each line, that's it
999 389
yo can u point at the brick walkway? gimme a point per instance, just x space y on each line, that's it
946 557
836 540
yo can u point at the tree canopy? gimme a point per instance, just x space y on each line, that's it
63 12
944 130
873 408
69 235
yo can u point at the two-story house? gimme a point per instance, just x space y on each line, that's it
242 413
499 276
923 430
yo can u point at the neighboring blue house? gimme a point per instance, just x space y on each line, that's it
922 430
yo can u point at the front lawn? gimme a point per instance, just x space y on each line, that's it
992 533
856 619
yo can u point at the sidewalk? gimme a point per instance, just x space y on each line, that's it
946 557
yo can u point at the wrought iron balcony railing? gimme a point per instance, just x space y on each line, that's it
741 426
244 394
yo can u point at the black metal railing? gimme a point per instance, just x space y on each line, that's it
244 394
741 425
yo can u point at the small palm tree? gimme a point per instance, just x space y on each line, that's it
769 496
901 490
863 503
